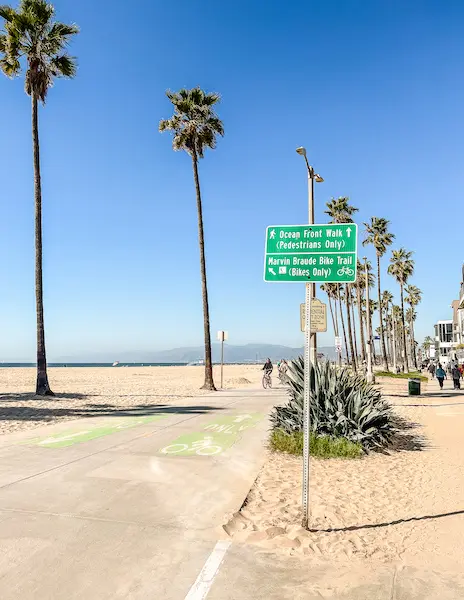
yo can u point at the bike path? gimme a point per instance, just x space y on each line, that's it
128 506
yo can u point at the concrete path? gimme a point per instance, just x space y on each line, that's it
129 506
132 506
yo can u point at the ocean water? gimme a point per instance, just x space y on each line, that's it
122 364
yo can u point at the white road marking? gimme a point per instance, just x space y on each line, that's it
200 589
65 438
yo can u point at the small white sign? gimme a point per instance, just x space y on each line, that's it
338 343
222 336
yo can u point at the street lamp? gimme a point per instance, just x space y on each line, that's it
311 287
370 375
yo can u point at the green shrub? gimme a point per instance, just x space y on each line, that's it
413 375
342 405
320 446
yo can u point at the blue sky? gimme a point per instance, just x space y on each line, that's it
372 89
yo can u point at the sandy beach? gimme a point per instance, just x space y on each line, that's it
406 505
85 392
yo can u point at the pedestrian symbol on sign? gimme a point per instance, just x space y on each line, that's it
282 270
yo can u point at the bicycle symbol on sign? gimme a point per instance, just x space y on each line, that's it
204 447
345 271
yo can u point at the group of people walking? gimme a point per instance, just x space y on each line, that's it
455 371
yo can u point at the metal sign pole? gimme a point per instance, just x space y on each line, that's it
222 359
306 409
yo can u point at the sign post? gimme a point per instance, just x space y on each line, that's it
310 253
222 337
318 316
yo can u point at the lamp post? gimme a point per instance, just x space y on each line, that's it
311 287
370 375
310 354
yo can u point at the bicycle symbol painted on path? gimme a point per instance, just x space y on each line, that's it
204 447
215 437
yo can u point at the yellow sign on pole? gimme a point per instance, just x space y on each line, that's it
318 316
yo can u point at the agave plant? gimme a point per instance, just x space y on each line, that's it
341 405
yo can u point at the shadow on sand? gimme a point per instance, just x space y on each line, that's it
34 413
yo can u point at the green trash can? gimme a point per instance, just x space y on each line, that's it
414 387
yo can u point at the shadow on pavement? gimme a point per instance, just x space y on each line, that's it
30 413
389 523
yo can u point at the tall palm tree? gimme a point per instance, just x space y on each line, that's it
341 212
402 267
387 300
413 298
378 235
196 126
33 39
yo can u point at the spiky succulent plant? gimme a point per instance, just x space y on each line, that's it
342 405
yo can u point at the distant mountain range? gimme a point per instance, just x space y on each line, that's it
232 354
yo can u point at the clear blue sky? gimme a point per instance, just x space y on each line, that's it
374 90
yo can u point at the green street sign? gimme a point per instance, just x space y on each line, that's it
315 253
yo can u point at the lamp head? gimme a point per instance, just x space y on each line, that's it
301 151
318 178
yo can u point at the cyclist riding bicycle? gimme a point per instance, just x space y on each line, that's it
283 366
268 367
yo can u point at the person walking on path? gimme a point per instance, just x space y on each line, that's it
432 369
456 375
440 373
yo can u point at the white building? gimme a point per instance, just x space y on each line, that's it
444 344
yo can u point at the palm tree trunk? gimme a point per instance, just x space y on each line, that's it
209 383
413 345
350 329
332 315
343 324
404 330
42 386
393 326
382 335
361 327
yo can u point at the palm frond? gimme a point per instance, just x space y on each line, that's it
30 33
194 124
63 66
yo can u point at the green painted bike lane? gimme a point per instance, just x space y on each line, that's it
217 436
63 439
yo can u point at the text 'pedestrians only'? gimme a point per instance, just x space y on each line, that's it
319 253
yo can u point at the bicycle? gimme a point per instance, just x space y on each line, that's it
267 380
345 271
201 447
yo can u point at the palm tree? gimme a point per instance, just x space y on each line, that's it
331 290
341 212
340 300
413 298
195 126
360 290
402 267
32 37
387 299
378 235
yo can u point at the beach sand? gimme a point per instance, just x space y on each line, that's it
85 392
405 505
